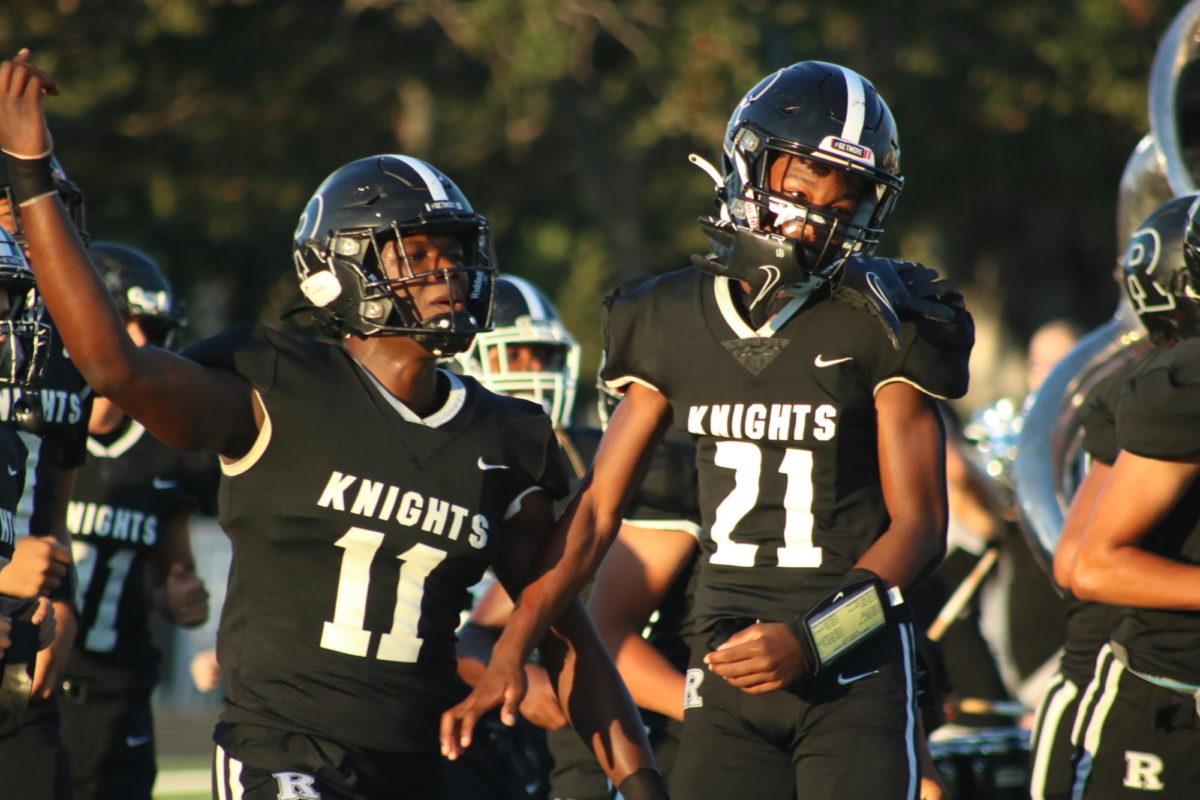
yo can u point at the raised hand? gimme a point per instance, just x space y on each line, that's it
23 132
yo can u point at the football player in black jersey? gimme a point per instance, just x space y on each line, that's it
1155 280
50 416
800 365
531 354
1137 728
128 520
30 566
364 489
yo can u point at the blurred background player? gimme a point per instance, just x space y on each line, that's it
128 520
1137 727
530 354
51 416
30 568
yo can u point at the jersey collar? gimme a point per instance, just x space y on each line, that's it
455 399
723 291
119 447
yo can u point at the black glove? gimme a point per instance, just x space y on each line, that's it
893 290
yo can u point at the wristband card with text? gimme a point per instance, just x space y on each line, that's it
846 622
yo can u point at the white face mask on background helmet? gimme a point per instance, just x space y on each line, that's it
523 316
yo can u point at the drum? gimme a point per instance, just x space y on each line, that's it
988 764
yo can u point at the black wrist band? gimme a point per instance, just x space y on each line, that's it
645 784
30 178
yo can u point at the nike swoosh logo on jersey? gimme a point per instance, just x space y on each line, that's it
485 466
136 741
821 361
843 680
163 483
12 471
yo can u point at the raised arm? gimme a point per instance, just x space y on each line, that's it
182 403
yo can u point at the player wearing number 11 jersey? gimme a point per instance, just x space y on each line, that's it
364 489
819 451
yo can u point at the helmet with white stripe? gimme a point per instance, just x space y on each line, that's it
528 353
833 117
339 243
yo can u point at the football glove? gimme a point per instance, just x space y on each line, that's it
893 290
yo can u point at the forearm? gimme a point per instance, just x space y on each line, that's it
1130 576
594 697
583 535
652 680
474 651
905 553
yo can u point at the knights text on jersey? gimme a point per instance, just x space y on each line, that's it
127 494
357 530
784 423
1158 416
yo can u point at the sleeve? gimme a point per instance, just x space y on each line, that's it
667 499
1158 415
627 357
243 349
937 354
934 358
554 475
1098 419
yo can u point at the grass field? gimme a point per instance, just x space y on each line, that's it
183 779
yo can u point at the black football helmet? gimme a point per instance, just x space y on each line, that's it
339 242
1161 270
71 196
522 314
832 116
141 290
23 325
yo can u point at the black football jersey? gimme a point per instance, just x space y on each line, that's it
1089 625
783 418
126 495
357 529
1158 416
12 486
66 402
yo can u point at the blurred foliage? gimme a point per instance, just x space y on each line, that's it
198 128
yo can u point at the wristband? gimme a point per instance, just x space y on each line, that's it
645 784
841 620
30 179
67 591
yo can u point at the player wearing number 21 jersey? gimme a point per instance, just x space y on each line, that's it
818 449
